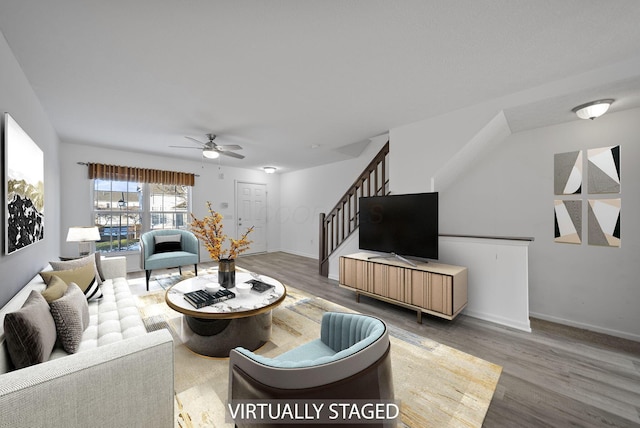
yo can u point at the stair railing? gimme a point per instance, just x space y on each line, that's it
342 220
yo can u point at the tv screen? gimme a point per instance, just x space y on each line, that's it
406 225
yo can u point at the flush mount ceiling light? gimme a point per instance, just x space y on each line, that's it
210 154
269 169
593 109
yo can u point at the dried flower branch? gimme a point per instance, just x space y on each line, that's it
210 231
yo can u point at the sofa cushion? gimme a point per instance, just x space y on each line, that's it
30 333
112 318
91 259
167 243
55 289
84 277
71 316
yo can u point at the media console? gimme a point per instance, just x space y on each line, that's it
432 288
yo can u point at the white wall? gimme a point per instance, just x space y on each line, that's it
76 188
18 99
307 193
509 192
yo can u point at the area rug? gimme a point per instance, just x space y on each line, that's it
435 385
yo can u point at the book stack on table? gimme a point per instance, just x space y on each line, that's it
201 298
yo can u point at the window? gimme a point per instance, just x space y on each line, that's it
123 210
169 206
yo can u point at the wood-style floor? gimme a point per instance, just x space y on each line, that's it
556 376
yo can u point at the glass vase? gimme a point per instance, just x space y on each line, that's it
227 273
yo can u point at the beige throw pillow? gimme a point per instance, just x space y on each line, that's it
84 277
55 289
91 259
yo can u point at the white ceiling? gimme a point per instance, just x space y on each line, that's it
281 77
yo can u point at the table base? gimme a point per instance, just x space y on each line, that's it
217 337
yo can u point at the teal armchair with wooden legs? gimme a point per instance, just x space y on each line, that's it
168 248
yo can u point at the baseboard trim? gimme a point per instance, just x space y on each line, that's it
585 326
523 326
301 254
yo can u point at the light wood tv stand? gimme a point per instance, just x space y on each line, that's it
432 288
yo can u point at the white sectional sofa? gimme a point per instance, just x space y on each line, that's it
120 376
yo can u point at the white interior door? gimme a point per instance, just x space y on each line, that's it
251 202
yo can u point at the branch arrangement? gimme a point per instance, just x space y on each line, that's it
210 231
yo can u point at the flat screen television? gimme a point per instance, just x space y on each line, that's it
404 225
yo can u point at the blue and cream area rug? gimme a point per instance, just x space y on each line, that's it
436 386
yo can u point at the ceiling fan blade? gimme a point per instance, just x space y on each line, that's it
187 147
196 141
229 147
231 154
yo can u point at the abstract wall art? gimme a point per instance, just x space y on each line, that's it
24 188
603 170
568 221
604 222
567 173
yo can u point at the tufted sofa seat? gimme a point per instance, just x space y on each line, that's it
113 318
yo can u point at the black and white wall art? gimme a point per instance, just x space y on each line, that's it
604 170
604 222
568 221
567 168
602 179
24 188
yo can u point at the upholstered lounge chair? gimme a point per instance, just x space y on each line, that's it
350 361
168 248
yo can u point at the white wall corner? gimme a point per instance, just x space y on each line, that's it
486 140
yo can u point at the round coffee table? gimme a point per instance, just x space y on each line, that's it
241 321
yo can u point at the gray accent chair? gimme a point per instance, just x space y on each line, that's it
188 252
350 361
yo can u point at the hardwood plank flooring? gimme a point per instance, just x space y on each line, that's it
556 376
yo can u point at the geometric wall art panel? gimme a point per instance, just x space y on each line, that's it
604 222
567 170
568 221
604 170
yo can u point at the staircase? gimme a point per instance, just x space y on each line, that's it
342 220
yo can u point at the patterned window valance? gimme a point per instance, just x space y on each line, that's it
141 175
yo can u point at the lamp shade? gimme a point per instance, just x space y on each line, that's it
593 109
83 234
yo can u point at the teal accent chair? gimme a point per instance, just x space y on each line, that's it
350 361
186 253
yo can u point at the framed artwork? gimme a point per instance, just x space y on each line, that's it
24 188
604 222
568 221
567 171
603 174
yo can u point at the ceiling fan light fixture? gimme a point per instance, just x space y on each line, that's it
210 154
592 109
269 169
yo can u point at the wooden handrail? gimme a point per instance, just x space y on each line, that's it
342 220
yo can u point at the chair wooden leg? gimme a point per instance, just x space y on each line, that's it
180 270
196 268
148 274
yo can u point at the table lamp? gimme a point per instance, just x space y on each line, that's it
84 236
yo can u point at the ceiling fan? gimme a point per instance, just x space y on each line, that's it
212 150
